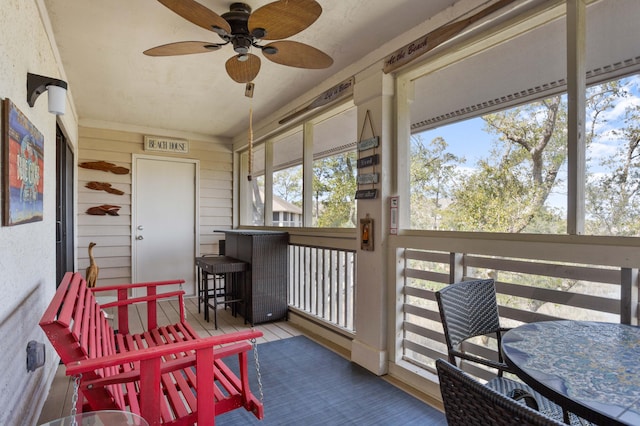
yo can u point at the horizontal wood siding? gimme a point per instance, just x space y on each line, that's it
112 234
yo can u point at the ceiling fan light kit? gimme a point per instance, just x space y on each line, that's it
245 30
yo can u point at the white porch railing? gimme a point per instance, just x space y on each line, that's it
537 278
322 277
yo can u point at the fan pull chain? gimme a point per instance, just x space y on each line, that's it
248 92
250 159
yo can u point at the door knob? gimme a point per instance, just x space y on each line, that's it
139 237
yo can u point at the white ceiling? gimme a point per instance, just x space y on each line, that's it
101 43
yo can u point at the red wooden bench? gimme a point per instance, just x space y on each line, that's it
166 374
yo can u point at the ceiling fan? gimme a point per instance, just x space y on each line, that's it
244 30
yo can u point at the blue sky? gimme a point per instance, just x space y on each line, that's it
469 140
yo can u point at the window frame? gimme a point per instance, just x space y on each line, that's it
577 81
307 126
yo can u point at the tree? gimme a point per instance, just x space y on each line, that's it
287 184
510 189
334 187
433 174
512 185
613 199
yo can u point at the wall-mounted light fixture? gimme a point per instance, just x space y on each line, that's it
38 84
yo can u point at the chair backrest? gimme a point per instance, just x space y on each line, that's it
468 309
78 330
469 402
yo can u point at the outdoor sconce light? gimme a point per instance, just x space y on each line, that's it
37 84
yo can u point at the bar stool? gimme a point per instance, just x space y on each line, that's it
202 279
227 292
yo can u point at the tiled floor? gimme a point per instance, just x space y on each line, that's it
58 403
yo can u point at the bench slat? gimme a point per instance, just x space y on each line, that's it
133 402
78 315
84 333
51 313
177 388
69 303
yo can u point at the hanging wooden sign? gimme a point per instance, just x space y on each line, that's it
338 91
366 194
155 143
368 178
371 160
368 143
428 42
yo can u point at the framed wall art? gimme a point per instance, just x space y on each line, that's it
22 168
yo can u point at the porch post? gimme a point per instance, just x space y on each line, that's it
373 96
576 87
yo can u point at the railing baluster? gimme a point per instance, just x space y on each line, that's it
323 283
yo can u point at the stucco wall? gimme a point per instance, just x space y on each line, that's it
27 252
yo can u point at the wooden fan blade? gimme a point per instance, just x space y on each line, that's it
284 18
300 55
196 13
182 48
243 71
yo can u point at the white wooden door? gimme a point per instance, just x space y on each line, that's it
164 221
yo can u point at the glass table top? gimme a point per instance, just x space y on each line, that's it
592 364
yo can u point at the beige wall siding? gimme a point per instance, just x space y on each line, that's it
112 234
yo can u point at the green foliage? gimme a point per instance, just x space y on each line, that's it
433 174
613 200
334 188
509 189
287 184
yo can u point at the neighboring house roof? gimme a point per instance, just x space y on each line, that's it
280 205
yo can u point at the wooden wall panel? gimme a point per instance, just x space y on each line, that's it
113 233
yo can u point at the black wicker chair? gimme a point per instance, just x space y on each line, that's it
469 309
468 402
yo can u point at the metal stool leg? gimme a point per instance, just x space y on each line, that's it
198 278
205 284
215 302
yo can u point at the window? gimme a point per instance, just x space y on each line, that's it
334 171
332 198
612 195
252 202
489 153
287 176
502 172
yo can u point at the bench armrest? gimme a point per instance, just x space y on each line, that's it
135 300
136 285
157 352
167 366
151 298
